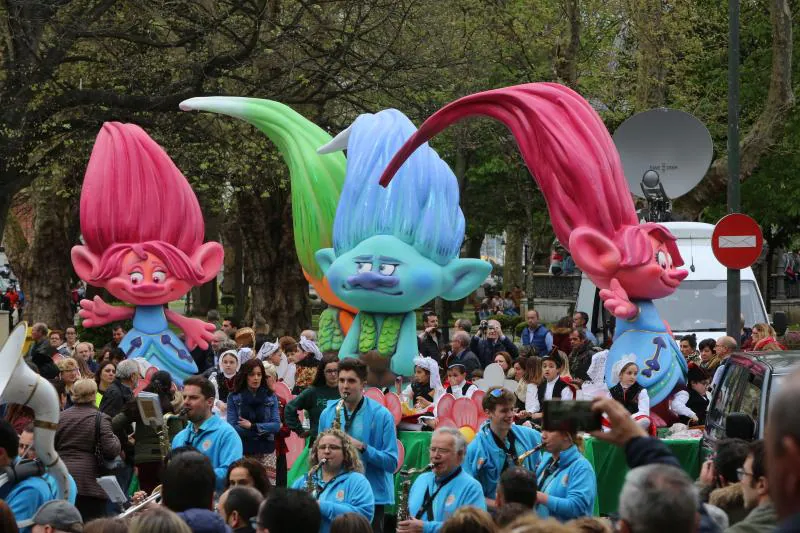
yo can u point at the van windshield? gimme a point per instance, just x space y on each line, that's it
700 305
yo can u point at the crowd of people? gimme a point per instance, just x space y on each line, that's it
219 458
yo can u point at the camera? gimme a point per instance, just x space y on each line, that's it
484 325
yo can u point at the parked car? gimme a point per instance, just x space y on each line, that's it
740 404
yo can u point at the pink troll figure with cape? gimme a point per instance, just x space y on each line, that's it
143 235
574 161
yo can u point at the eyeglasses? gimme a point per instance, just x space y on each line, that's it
332 372
741 474
254 523
434 451
331 447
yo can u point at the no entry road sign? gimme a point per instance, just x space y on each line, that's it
737 241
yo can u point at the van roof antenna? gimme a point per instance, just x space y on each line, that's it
691 252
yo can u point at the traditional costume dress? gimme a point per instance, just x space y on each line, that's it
634 398
433 500
347 492
488 457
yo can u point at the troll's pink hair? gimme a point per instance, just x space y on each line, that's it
134 198
569 152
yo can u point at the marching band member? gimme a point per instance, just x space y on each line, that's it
426 388
338 484
691 405
629 392
499 442
566 479
435 495
371 429
210 435
457 383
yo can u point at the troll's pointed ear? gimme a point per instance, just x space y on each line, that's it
84 262
593 252
462 276
209 257
325 258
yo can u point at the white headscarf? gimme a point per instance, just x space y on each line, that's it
267 349
238 362
307 345
244 355
616 370
433 368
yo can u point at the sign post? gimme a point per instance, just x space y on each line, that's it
734 279
737 242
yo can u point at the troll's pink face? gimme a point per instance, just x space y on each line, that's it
653 280
146 281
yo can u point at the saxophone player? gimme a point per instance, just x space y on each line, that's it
336 480
435 495
371 430
499 443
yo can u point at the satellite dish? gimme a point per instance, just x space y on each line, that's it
664 146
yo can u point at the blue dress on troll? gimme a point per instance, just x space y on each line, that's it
152 340
661 364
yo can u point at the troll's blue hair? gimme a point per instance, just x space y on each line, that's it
421 205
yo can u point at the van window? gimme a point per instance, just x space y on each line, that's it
740 392
700 305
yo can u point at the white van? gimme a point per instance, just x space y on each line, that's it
699 304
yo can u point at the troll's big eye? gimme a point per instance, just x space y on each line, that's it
663 259
136 278
364 267
388 270
159 277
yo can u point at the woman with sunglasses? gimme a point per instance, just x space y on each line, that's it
315 398
338 483
566 480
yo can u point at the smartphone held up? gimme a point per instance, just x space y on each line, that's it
570 415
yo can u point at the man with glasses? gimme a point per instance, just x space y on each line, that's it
499 443
435 495
372 432
494 342
755 487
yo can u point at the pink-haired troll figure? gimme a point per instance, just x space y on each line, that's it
574 161
143 233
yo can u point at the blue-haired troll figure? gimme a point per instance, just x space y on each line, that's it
395 248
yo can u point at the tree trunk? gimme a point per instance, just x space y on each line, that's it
566 64
512 269
41 260
204 297
279 291
769 125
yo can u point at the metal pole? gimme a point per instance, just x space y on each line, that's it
734 278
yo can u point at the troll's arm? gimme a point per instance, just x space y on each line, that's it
198 332
616 300
98 313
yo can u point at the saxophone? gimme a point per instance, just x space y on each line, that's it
337 415
311 485
521 459
164 444
405 487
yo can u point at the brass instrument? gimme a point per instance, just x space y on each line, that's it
155 497
311 485
519 460
19 384
337 415
405 487
164 444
